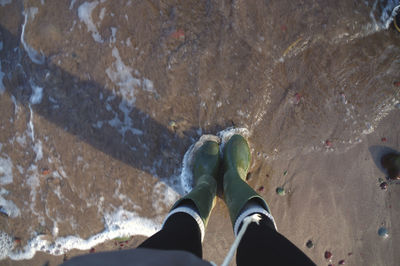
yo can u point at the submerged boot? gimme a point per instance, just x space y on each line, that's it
203 195
240 198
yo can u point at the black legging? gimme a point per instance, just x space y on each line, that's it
260 245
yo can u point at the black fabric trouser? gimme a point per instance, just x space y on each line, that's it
260 245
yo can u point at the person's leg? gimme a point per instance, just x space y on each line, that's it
185 225
263 245
180 232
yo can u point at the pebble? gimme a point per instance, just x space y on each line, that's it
383 139
281 191
17 241
297 98
341 262
92 250
45 171
328 255
261 189
384 186
309 244
383 232
328 143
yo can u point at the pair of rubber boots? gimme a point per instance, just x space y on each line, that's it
236 192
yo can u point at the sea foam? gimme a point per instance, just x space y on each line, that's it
85 15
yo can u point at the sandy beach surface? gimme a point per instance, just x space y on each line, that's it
101 100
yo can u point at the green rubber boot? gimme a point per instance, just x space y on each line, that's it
205 170
236 162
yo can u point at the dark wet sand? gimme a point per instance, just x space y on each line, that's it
294 75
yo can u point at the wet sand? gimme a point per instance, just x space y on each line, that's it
126 89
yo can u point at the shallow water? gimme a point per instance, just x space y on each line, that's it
100 101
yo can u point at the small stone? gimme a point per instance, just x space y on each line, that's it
17 241
383 139
350 253
297 98
309 244
285 173
261 189
383 232
281 191
92 250
384 186
45 171
328 255
341 262
328 143
172 124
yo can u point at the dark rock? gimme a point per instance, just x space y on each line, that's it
328 255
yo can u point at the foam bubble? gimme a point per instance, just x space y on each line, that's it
85 15
72 4
6 244
117 224
7 206
36 57
6 175
120 75
37 94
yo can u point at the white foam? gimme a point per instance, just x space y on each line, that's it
2 87
163 197
36 57
117 224
85 15
8 206
31 128
3 3
38 149
6 244
72 4
120 75
391 9
148 85
6 174
113 37
102 13
37 94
